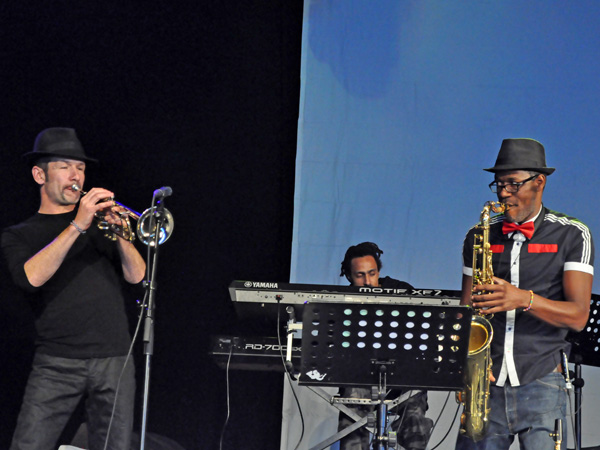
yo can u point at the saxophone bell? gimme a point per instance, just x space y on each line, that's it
475 396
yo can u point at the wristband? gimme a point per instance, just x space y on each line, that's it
77 227
530 301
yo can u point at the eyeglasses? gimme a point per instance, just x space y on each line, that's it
512 187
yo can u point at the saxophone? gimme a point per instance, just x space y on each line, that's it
475 396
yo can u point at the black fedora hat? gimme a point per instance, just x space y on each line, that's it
57 142
521 154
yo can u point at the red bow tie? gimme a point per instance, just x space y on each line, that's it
526 228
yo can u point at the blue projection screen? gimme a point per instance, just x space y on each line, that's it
403 103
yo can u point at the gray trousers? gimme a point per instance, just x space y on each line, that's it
54 389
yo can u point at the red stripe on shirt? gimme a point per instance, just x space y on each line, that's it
497 248
542 248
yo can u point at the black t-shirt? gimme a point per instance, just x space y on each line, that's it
392 283
79 312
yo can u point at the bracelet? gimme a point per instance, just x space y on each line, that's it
530 301
77 227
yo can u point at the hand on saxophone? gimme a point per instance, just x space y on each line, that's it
498 297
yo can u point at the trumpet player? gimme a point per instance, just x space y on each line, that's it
73 276
542 282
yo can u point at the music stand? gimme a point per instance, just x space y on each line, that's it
384 346
585 350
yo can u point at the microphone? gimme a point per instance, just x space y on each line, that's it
565 368
163 192
290 311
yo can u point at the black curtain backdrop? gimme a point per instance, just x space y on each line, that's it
199 96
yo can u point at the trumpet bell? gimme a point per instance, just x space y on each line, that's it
147 224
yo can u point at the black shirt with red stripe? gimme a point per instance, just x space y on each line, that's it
559 243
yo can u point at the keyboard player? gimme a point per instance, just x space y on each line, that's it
361 266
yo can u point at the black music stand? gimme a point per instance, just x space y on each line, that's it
585 350
384 346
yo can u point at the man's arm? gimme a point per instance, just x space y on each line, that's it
134 266
132 263
44 264
572 313
467 286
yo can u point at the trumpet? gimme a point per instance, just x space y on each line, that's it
146 222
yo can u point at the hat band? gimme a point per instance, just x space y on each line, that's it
526 163
62 146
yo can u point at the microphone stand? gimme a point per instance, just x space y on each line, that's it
150 285
578 382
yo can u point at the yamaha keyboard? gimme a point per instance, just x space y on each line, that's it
274 304
266 302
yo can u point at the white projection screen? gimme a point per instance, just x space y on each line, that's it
403 103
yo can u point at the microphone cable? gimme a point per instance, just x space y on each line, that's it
129 353
288 374
405 403
451 422
222 438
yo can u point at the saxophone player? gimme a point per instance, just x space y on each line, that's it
543 271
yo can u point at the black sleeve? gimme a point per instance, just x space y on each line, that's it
392 283
16 253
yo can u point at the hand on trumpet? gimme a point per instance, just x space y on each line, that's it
113 217
97 202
